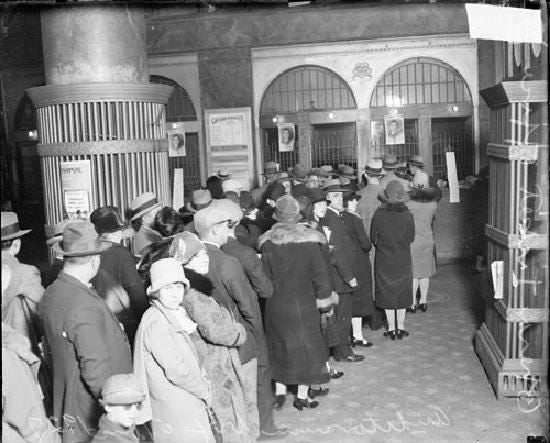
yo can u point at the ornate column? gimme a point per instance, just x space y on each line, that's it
98 105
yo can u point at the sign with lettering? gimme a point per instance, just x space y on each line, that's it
229 143
76 183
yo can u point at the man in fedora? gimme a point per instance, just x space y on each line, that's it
200 199
232 290
143 210
270 171
347 175
341 245
214 183
390 164
366 207
25 279
299 178
118 281
87 343
416 164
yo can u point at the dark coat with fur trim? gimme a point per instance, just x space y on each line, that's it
294 261
392 232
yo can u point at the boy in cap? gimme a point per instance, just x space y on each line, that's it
87 343
121 398
390 165
25 279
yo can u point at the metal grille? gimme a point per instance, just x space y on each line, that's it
306 88
334 144
420 80
180 108
271 150
403 151
447 136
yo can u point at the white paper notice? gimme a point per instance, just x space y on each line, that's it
452 176
177 196
506 24
497 271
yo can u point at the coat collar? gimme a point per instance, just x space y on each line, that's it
285 233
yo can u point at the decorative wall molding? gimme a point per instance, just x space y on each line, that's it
362 70
103 147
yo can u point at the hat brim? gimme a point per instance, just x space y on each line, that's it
124 401
16 234
374 171
145 211
413 163
103 246
151 290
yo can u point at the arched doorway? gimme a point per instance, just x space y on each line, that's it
437 107
180 108
27 191
314 99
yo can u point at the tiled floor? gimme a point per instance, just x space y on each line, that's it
429 387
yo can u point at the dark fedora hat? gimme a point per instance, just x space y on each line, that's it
334 185
416 160
316 195
270 168
80 240
351 195
346 171
107 219
389 162
201 199
298 173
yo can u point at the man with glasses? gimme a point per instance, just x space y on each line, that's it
232 290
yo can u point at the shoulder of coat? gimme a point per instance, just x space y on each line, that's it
283 233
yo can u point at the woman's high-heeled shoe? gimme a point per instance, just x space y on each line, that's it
411 309
423 307
300 403
391 334
319 392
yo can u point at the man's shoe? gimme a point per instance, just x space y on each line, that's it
351 358
335 374
320 392
402 333
423 307
364 343
279 402
300 404
275 434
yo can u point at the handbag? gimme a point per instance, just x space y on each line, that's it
39 347
215 425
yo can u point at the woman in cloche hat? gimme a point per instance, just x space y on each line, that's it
392 232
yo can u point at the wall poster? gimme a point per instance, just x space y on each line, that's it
287 137
176 141
76 183
229 143
394 125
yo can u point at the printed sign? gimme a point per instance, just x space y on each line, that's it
452 176
76 182
227 129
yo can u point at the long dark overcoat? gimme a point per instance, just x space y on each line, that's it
392 232
294 262
88 345
362 301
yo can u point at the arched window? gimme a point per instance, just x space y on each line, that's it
306 88
417 81
179 107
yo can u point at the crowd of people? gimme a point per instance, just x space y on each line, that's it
197 330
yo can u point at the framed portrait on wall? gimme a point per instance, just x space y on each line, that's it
176 143
394 125
287 135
